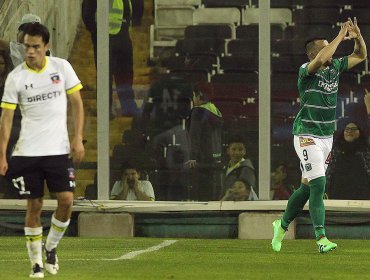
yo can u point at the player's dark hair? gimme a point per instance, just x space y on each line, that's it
245 182
199 91
129 165
236 138
310 43
37 29
23 26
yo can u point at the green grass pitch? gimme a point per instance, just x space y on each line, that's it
97 258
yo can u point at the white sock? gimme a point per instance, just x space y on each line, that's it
34 244
56 233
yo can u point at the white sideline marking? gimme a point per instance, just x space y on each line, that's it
133 254
127 256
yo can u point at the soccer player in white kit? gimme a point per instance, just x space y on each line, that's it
41 87
314 127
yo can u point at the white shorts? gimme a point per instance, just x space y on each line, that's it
314 154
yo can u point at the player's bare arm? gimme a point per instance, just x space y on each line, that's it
359 52
77 148
327 51
6 123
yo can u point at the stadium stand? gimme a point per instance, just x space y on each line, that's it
322 4
236 78
281 131
230 62
195 3
216 31
228 15
361 14
222 3
287 63
251 31
170 22
313 15
242 47
290 47
365 79
207 63
277 4
303 30
237 63
209 46
193 76
282 16
173 16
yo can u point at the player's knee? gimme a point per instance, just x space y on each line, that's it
65 200
34 206
317 185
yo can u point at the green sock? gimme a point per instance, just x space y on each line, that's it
295 205
317 209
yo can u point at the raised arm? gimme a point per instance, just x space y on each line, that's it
327 52
359 52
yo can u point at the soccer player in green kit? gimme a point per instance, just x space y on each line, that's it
314 126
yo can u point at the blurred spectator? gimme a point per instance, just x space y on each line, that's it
280 189
367 101
120 50
205 146
239 166
5 67
240 191
348 174
137 12
15 48
6 190
131 188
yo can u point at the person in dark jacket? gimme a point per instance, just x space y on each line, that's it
240 191
205 146
348 174
238 166
120 50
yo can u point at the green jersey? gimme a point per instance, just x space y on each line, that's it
318 95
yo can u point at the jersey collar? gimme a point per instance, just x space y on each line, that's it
38 71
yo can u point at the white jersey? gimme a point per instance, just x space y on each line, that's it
42 98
